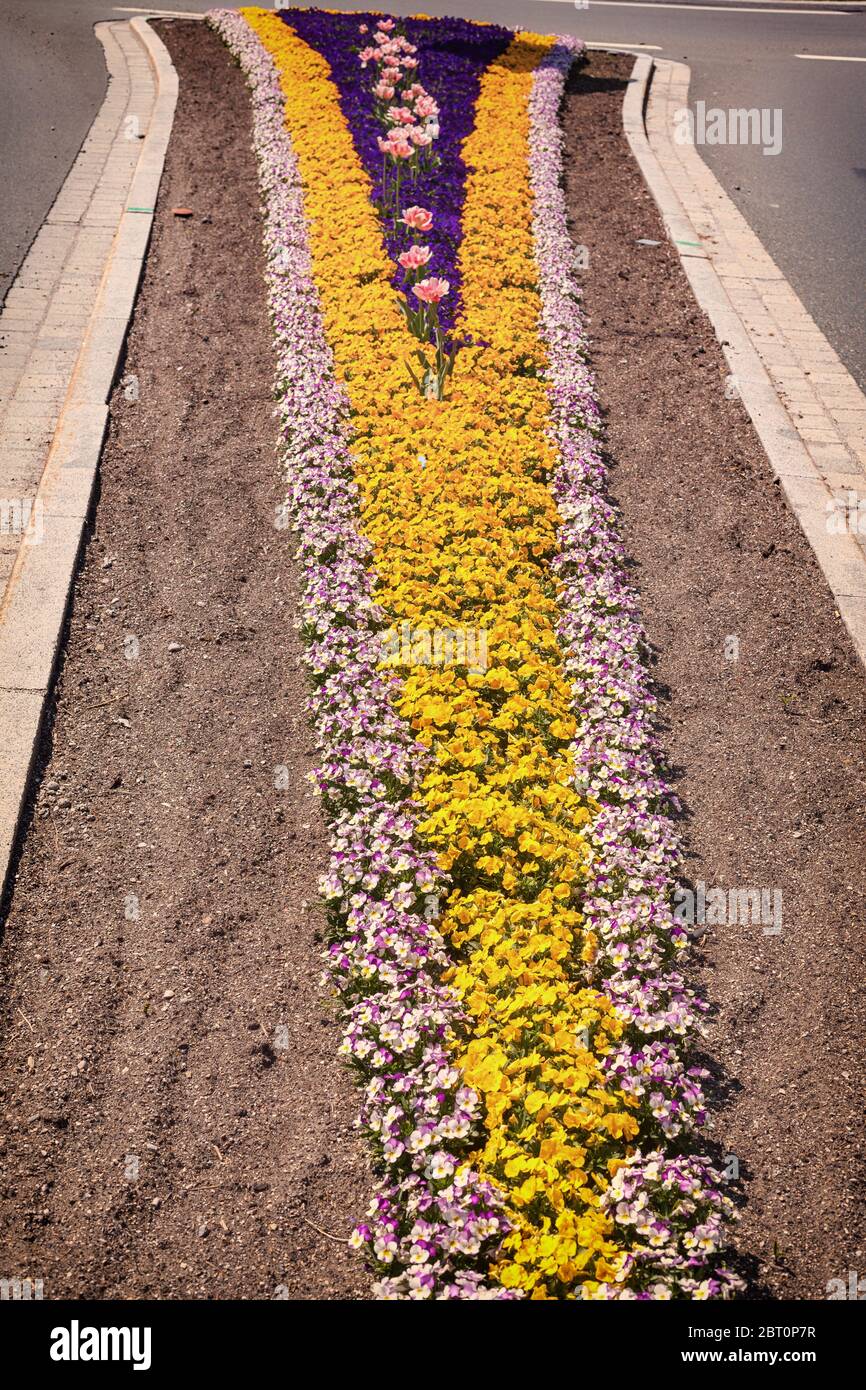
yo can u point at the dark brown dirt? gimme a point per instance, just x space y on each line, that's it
162 1012
768 749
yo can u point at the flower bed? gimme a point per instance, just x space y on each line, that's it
502 851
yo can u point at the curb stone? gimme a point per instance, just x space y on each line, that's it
807 410
74 354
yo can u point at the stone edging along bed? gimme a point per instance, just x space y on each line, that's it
80 363
782 367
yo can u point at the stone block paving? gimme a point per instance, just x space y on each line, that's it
808 411
62 332
826 405
48 308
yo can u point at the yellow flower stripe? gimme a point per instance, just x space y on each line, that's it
455 502
549 1116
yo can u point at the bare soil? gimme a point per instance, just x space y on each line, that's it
768 749
175 1120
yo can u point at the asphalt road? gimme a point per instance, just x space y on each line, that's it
807 203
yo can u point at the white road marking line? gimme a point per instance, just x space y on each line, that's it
696 9
621 43
160 14
828 58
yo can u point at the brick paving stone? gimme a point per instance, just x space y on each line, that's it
818 442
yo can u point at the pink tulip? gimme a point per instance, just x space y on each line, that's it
420 138
431 291
362 28
396 145
409 62
415 257
386 24
425 106
383 91
418 218
400 115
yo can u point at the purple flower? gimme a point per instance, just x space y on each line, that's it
452 55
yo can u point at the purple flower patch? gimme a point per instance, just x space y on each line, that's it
452 56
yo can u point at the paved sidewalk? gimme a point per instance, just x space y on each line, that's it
808 411
827 406
62 334
43 323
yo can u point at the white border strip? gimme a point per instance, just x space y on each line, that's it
698 8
